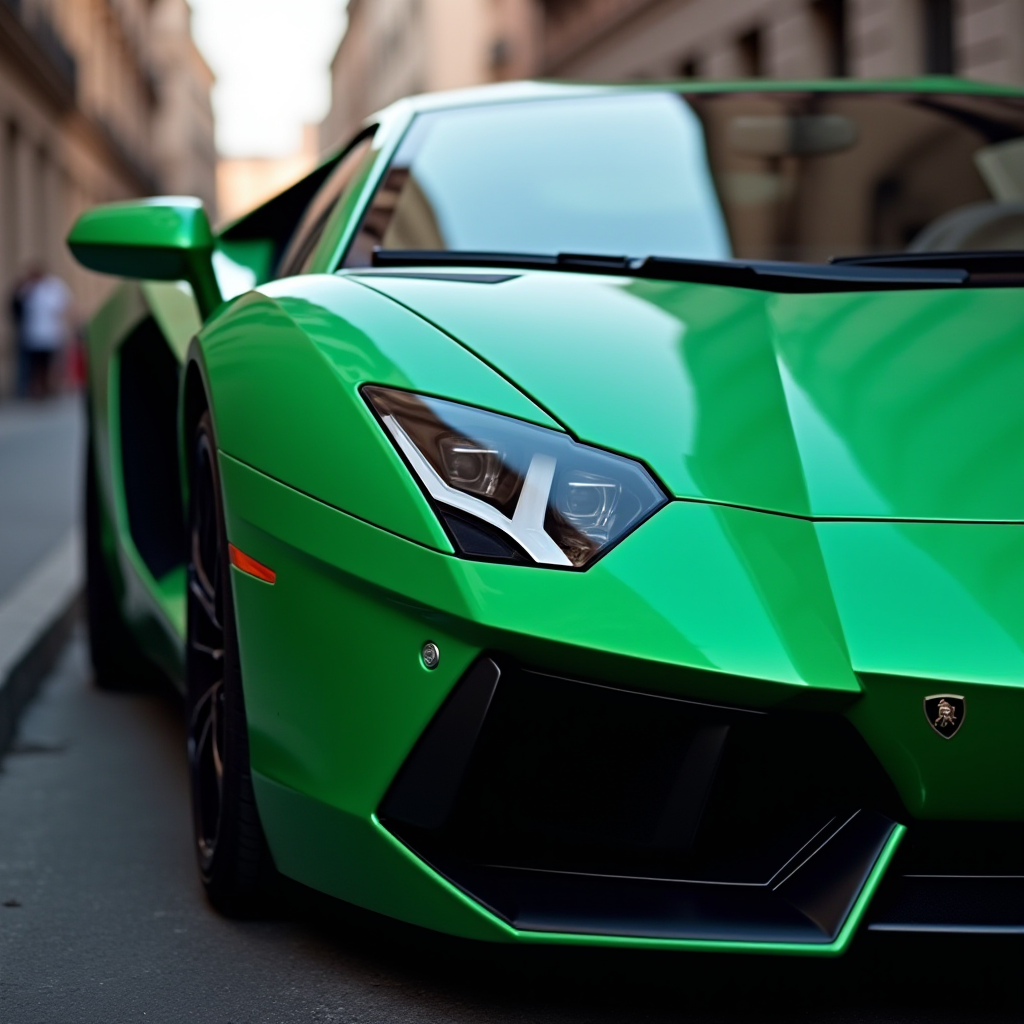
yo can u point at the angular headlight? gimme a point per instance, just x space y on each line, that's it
508 489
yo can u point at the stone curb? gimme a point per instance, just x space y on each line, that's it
35 622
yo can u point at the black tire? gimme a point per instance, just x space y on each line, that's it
117 663
234 861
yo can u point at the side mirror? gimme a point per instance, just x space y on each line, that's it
167 238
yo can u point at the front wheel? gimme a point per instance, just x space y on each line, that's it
234 860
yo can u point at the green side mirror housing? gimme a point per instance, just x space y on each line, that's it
166 238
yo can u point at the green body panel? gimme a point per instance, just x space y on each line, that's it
937 608
702 601
942 601
356 859
773 421
284 372
883 404
171 223
164 238
173 306
256 255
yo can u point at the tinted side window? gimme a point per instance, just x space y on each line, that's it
258 240
303 243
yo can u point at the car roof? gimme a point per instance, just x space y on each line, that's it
509 92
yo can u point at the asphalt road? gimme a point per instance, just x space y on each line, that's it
102 921
41 448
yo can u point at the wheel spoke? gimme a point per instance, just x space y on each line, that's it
206 603
204 735
218 764
207 584
206 705
216 653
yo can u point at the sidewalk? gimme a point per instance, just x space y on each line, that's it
41 449
41 454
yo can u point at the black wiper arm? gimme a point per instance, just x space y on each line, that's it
769 275
995 267
520 260
762 275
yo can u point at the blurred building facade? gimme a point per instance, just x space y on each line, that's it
623 39
99 100
243 183
394 48
184 152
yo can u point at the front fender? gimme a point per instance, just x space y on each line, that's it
283 367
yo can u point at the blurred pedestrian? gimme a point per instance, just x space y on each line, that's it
45 325
17 311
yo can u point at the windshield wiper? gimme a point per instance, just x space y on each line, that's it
776 276
518 260
762 275
996 267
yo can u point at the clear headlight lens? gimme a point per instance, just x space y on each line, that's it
507 488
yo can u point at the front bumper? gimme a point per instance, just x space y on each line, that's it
702 604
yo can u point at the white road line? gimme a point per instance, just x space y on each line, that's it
28 611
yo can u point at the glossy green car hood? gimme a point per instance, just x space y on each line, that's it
899 404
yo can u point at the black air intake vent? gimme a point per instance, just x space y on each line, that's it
568 805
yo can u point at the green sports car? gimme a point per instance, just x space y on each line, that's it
589 514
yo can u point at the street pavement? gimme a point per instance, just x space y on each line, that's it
41 449
102 920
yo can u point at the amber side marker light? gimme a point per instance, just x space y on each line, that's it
240 560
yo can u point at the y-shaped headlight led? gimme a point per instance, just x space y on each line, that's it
506 488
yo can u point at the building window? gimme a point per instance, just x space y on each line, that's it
830 19
938 37
501 54
752 54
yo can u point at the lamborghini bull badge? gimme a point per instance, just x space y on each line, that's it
945 714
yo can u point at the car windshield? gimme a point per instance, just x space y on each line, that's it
802 176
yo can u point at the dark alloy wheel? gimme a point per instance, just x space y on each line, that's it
232 852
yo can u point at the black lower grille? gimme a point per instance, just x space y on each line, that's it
955 877
569 805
